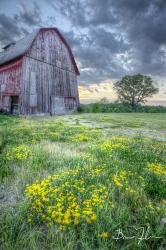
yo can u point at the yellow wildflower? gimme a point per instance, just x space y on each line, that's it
104 235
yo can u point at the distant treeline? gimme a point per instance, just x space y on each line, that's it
118 108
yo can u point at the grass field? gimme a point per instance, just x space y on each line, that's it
83 182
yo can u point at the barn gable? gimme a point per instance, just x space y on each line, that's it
23 46
50 48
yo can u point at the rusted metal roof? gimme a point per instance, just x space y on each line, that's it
20 47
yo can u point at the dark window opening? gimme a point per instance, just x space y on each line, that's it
14 104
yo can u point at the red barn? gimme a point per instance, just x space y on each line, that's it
38 75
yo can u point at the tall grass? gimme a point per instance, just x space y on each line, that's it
72 187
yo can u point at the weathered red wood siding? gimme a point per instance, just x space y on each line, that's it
45 79
10 83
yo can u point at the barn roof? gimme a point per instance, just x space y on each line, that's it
20 47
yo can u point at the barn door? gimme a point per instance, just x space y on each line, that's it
57 105
14 104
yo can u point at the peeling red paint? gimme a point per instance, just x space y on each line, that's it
11 77
44 80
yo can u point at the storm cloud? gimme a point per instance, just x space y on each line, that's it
16 26
128 36
109 38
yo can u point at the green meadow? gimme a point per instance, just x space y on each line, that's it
83 182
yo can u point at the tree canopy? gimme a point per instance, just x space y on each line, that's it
104 100
134 89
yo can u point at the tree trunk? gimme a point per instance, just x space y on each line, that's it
133 105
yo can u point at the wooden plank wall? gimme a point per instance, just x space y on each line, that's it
10 83
49 62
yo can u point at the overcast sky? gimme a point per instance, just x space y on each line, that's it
109 38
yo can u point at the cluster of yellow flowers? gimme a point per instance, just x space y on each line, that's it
156 168
104 235
121 178
81 137
98 171
130 190
55 131
111 145
68 198
21 152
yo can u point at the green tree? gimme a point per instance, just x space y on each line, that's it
134 90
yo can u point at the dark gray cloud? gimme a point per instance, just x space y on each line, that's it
18 25
29 16
109 38
134 30
85 12
96 55
9 29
